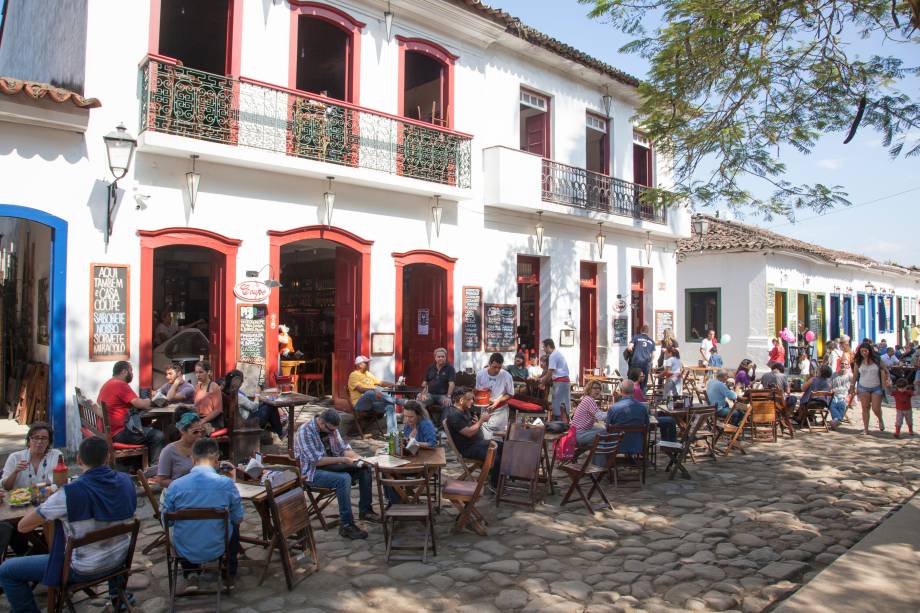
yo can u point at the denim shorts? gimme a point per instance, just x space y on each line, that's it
875 391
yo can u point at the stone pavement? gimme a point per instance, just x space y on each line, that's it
745 533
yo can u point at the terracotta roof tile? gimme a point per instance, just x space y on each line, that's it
37 91
516 27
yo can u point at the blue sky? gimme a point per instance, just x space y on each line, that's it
885 193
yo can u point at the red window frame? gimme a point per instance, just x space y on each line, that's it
234 35
418 45
344 22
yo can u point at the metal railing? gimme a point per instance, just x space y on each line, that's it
247 113
564 184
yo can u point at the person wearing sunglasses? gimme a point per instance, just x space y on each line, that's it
176 458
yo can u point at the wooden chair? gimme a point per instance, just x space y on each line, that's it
467 465
319 497
63 595
314 375
520 467
766 407
173 559
160 540
679 451
815 412
343 405
291 528
706 433
241 438
641 460
464 495
726 428
412 484
94 421
605 445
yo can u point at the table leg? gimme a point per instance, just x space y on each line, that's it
291 431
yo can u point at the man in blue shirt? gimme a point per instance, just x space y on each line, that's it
628 412
718 394
642 348
197 542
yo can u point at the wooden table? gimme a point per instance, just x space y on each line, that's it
289 401
14 514
255 493
404 390
165 418
432 457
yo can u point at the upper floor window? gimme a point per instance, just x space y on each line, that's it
201 34
642 160
426 81
597 144
535 123
325 51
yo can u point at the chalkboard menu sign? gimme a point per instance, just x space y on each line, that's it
109 329
472 319
500 327
664 320
621 330
251 339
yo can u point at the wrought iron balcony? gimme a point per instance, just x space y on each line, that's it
563 184
247 113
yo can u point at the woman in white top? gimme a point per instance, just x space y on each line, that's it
34 464
871 377
708 343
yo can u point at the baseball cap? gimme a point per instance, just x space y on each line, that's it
361 358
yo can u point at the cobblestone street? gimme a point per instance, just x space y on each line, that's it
744 533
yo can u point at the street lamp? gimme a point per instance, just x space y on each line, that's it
539 230
607 101
329 202
436 212
601 239
119 149
388 20
192 179
870 289
648 248
701 227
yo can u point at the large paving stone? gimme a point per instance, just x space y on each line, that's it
576 590
511 599
412 570
512 567
778 571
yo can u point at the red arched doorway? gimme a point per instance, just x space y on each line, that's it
166 257
325 275
424 310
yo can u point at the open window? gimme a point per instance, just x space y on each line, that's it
642 160
325 51
426 82
597 144
197 33
535 126
704 312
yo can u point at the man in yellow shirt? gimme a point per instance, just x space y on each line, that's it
364 390
914 333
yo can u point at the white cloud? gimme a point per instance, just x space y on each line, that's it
830 163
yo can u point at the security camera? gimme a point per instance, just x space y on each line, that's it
141 202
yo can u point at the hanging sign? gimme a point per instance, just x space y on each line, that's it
109 330
251 338
251 291
619 305
472 319
424 316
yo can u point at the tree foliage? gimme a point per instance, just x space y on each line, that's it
733 83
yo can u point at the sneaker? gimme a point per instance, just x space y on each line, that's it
352 531
369 515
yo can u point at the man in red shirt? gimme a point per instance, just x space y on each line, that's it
119 399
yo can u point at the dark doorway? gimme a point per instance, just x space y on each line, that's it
528 293
196 32
425 90
323 58
588 327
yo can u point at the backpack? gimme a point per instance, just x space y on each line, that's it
564 448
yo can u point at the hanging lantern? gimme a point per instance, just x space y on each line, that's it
436 212
388 20
601 240
539 230
329 202
648 248
192 180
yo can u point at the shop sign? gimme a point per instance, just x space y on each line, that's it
619 305
109 334
251 291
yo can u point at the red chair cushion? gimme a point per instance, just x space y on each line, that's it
219 433
527 407
126 446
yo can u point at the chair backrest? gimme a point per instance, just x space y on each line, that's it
269 460
764 405
450 440
97 536
414 482
195 514
526 432
92 418
607 446
624 430
521 459
145 485
288 507
697 419
484 473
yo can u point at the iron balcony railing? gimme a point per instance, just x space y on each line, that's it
248 113
564 184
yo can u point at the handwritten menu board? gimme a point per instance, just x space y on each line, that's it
251 343
664 320
472 319
621 330
500 327
109 332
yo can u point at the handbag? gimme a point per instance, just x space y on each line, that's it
133 423
565 446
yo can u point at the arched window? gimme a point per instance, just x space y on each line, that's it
325 51
204 35
426 81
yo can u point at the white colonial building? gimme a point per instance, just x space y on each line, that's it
397 181
750 283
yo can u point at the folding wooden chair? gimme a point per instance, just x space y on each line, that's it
767 411
291 528
705 434
679 451
412 484
173 559
641 460
343 405
465 494
160 540
520 467
468 465
726 428
319 497
604 445
94 421
63 595
815 412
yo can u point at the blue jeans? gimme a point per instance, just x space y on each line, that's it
838 408
340 481
233 555
667 425
16 575
562 392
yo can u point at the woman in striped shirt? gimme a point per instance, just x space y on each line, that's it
586 415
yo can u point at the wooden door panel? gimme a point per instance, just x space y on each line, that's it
347 285
216 323
535 127
426 289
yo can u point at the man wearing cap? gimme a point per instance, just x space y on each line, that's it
364 390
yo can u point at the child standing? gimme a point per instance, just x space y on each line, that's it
902 396
715 360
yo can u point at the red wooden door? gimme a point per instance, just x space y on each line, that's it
588 327
535 128
424 318
347 317
638 300
216 303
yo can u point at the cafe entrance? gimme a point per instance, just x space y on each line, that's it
324 299
186 277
